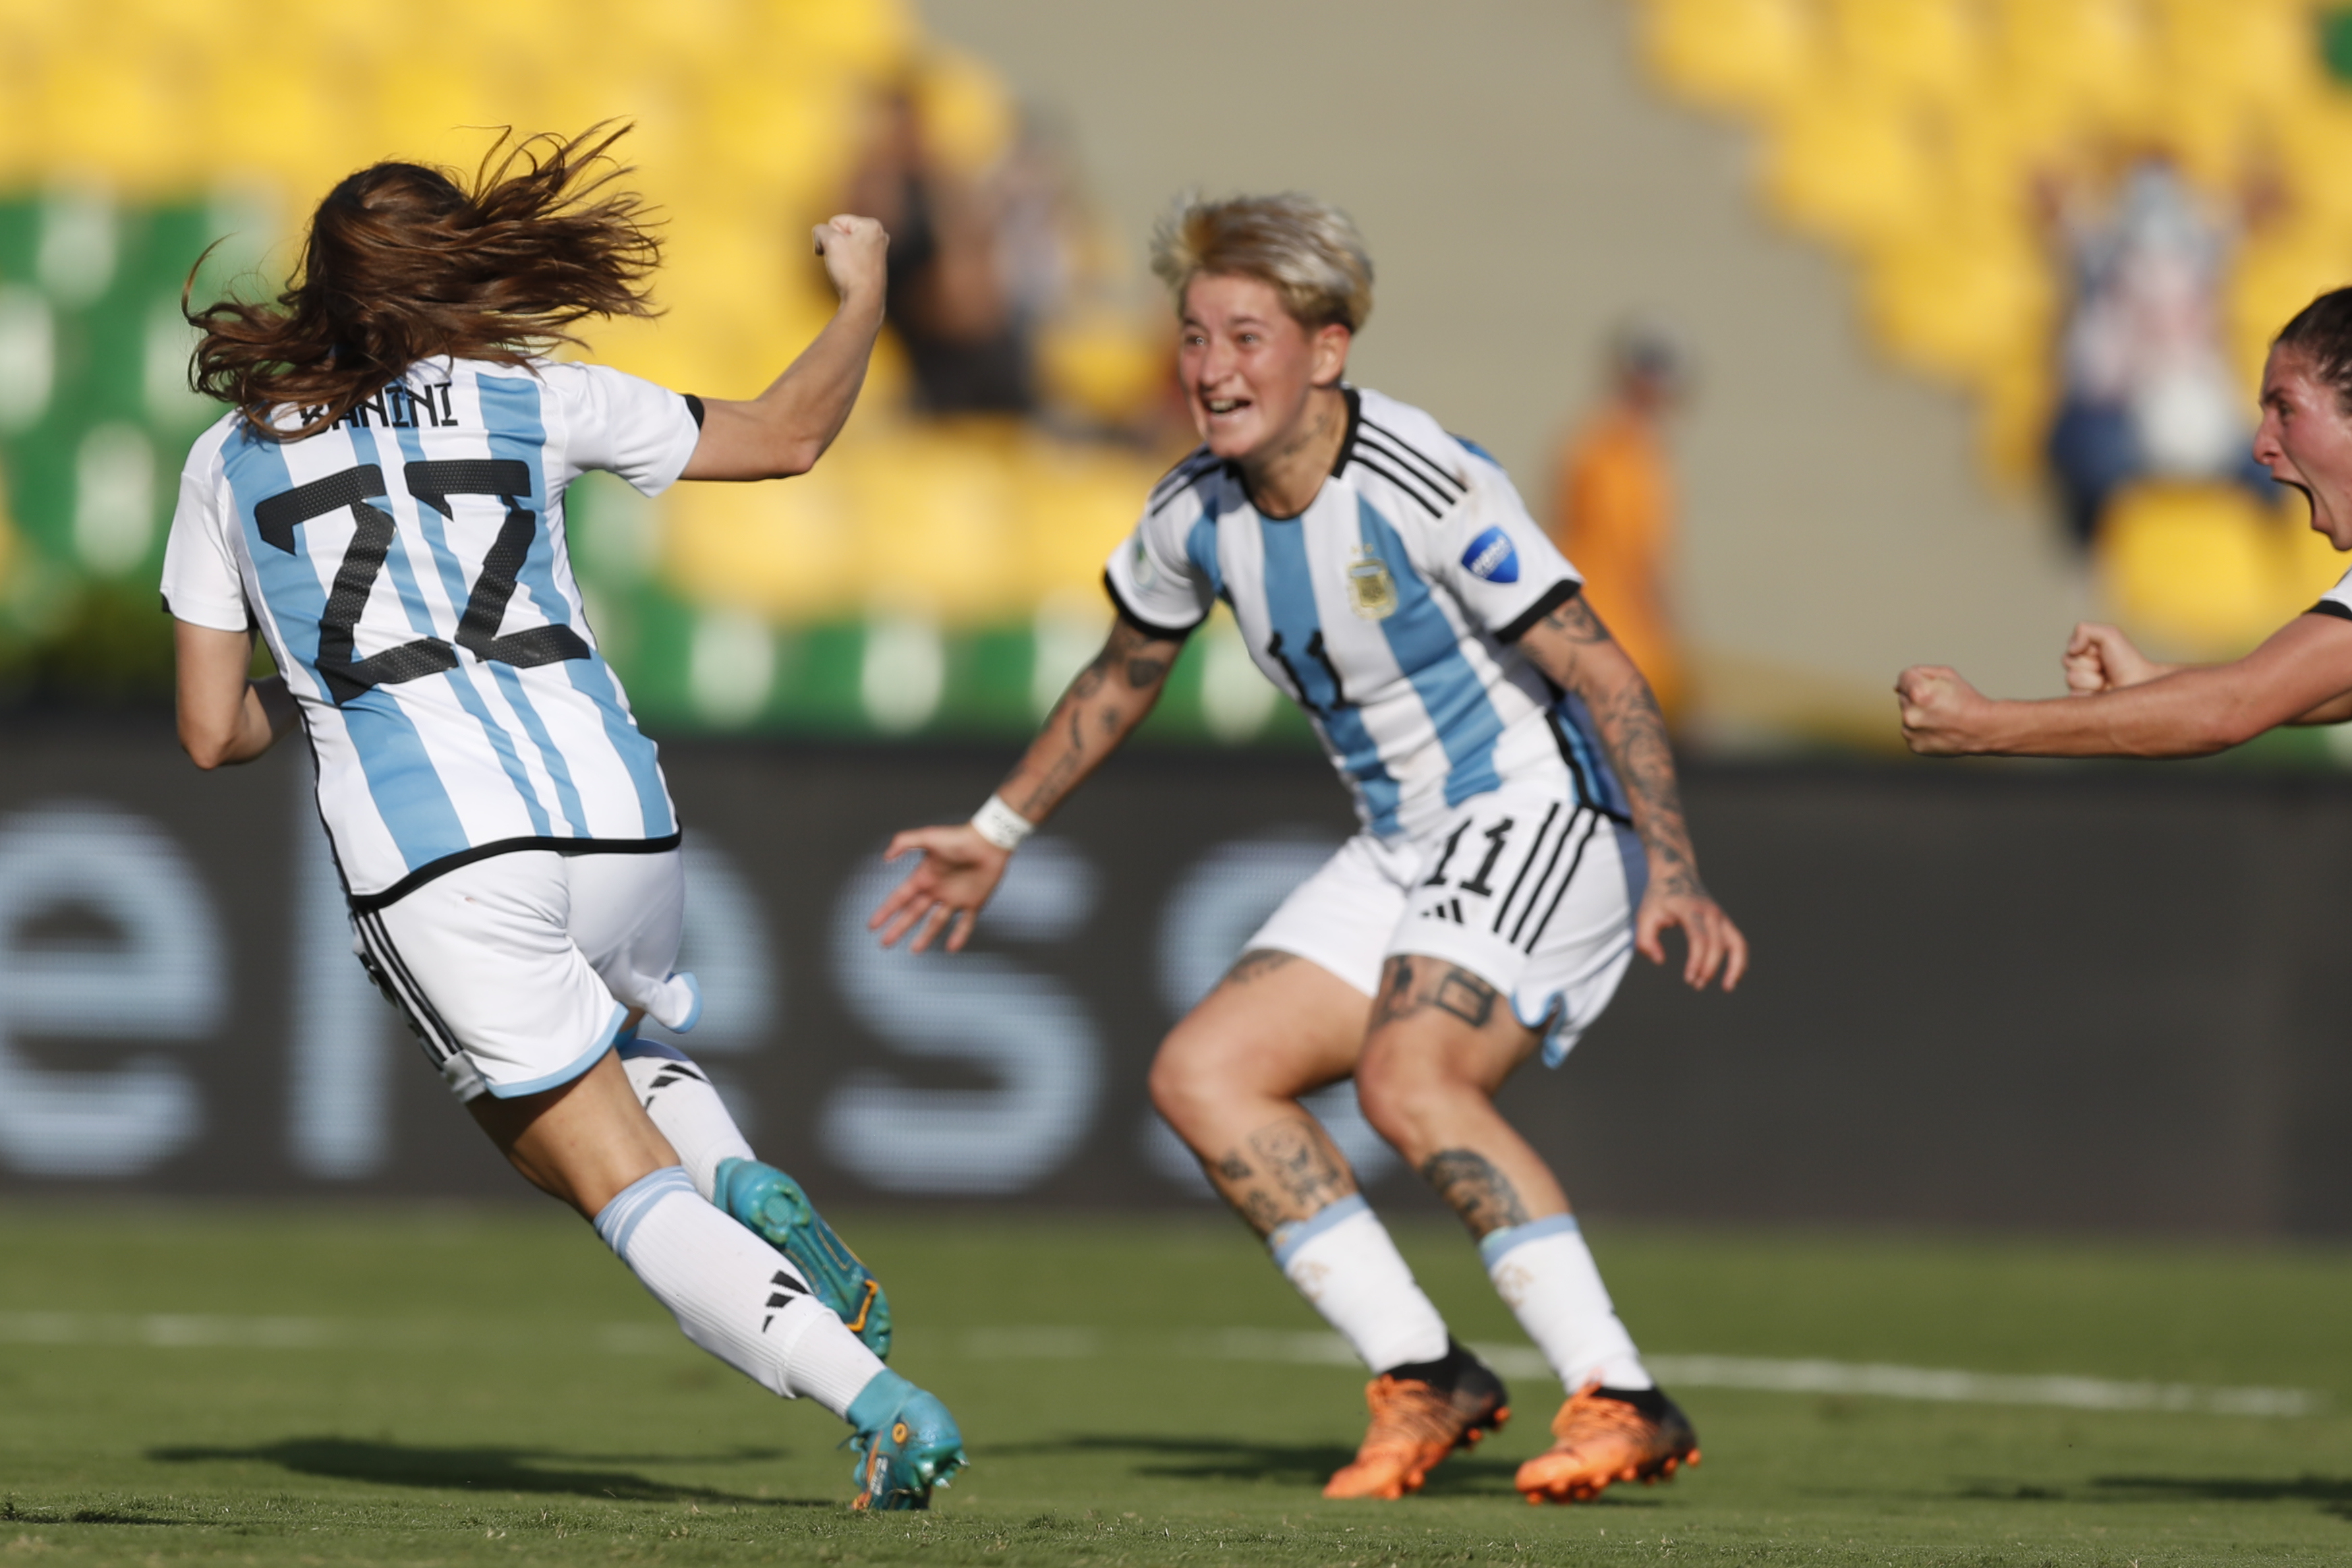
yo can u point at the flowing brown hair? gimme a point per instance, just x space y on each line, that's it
403 263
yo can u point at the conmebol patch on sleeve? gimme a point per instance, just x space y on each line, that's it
1492 557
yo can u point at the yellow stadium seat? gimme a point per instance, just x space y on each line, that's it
2279 272
1098 361
1077 503
2089 59
2199 571
783 552
2259 54
1850 166
1747 55
2309 565
939 518
1962 303
1929 49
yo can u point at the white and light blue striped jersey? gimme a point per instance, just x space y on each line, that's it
1387 609
409 570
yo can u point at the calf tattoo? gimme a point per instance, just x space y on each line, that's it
1482 1195
1288 1171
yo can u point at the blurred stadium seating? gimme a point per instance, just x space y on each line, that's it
1915 136
949 565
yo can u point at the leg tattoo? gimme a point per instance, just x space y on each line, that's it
1288 1171
1413 985
1257 961
1482 1195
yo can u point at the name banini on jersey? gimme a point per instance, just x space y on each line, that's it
408 568
1387 610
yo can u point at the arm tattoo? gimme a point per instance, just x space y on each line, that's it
1633 734
1576 619
1064 771
1257 961
1411 986
1054 764
1469 1182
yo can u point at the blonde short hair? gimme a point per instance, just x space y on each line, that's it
1308 250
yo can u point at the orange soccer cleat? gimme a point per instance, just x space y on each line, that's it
1420 1415
1609 1435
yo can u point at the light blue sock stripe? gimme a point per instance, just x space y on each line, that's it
1286 1239
1498 1242
618 1221
635 1047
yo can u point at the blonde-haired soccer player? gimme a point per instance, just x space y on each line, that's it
1521 837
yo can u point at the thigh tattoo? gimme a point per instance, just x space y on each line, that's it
1455 990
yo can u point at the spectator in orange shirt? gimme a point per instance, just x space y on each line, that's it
1613 513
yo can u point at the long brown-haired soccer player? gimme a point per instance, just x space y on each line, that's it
384 504
2125 704
1521 838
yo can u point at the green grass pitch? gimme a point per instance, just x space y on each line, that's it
307 1386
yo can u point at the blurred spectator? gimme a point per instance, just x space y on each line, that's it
2146 390
953 303
1615 511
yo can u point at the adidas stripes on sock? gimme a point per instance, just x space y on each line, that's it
1342 1262
1544 1270
732 1295
686 1108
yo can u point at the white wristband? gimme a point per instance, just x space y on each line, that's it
1001 825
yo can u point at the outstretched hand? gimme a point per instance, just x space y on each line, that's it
1715 942
2102 659
855 250
958 872
1937 707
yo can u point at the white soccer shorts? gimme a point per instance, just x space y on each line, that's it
518 971
1531 893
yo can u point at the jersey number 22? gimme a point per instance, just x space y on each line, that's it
432 484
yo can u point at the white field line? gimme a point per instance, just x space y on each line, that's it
172 1331
1825 1377
191 1331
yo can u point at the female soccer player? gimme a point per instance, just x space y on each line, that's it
2125 704
1503 753
384 504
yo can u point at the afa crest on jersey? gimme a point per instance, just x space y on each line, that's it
1371 590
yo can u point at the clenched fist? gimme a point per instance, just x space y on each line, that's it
1939 708
2102 659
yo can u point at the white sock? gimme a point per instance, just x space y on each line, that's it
1544 1270
1342 1262
732 1295
686 1108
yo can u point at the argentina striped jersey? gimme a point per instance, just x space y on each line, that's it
408 568
1388 610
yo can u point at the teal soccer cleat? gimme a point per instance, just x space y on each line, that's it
907 1443
773 1205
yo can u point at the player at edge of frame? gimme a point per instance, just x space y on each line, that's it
1522 836
2120 702
501 827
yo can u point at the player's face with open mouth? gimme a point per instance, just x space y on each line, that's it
1245 365
2305 441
